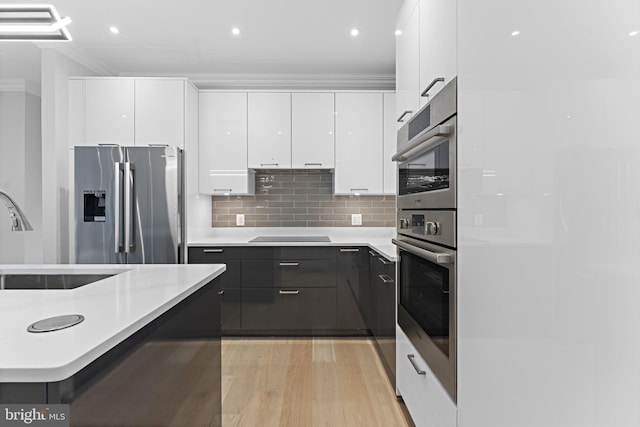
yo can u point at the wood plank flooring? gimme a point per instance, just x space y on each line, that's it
306 382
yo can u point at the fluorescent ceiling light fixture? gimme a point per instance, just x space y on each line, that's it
32 22
515 33
114 30
354 32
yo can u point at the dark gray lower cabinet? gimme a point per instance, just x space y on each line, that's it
382 313
288 309
230 309
351 284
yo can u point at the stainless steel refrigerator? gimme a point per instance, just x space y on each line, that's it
129 205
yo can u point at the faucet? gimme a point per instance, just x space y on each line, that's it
18 220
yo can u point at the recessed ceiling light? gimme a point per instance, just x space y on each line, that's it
633 33
515 33
114 30
354 32
235 31
398 32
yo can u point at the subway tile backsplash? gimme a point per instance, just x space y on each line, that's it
301 199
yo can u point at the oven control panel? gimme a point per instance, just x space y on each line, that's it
434 226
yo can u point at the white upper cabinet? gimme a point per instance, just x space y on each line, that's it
109 111
159 112
127 111
389 144
223 144
359 130
312 130
269 130
438 54
408 61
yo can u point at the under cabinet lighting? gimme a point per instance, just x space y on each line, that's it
35 22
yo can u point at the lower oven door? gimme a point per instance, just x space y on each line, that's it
427 305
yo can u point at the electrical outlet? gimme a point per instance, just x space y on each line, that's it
239 219
356 219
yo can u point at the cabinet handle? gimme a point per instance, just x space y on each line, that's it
108 145
226 190
432 84
289 264
385 279
213 251
158 145
359 189
292 292
413 363
221 292
372 253
425 142
404 114
349 250
313 164
384 261
268 164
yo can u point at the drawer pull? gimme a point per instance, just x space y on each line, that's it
385 279
221 292
349 250
226 190
384 261
269 164
289 264
372 253
411 358
313 164
287 292
213 251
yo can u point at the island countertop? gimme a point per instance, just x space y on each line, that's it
114 308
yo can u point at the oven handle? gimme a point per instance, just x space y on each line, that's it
428 139
437 257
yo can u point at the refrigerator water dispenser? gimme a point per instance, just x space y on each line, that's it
94 206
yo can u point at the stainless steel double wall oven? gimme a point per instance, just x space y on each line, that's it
426 233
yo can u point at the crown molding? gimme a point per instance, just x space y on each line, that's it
83 58
283 81
20 85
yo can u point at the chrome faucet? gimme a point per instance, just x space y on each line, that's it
18 220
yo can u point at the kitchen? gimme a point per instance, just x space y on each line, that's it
547 103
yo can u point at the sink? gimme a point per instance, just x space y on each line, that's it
291 239
48 281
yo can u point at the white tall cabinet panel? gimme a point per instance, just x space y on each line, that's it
408 61
549 147
223 144
358 143
312 130
269 130
390 144
76 113
159 112
109 111
438 45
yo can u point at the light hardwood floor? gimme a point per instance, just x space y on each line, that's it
306 382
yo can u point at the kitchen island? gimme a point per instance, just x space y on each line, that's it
148 349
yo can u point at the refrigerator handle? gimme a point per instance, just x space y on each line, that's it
129 175
117 207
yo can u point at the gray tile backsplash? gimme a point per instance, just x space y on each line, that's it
301 199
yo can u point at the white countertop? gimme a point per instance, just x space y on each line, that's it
114 309
377 238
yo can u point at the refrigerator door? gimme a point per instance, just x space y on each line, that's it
98 204
152 205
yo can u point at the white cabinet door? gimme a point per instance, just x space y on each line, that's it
312 133
426 399
438 44
408 62
269 130
223 144
109 111
76 113
358 143
159 112
389 144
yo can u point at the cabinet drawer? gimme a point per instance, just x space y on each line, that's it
427 401
288 252
230 309
288 309
213 254
284 274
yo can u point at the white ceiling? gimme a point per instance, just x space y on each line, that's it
300 38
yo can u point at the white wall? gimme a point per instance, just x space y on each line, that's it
57 158
549 214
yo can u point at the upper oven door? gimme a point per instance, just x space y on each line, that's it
426 169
